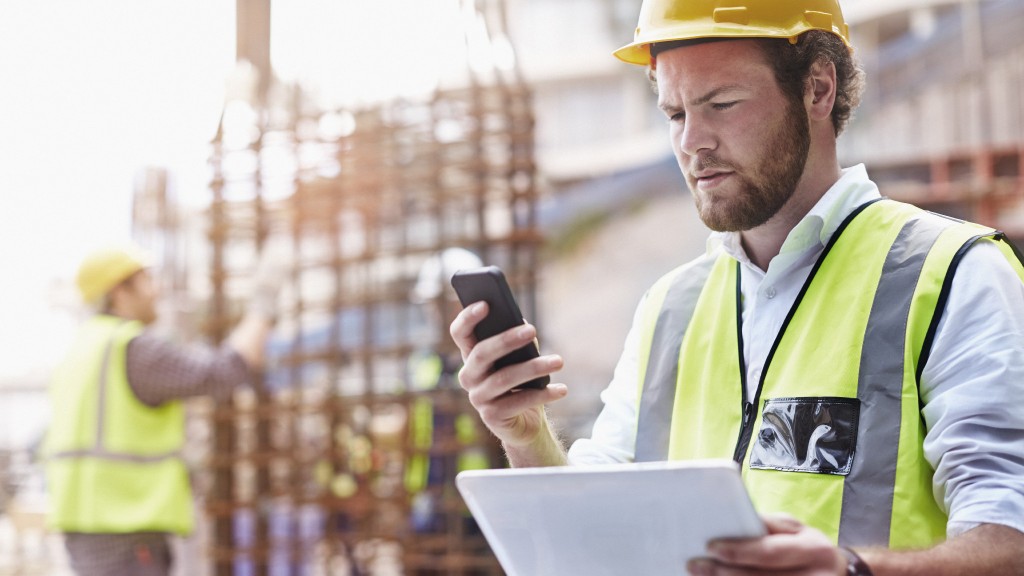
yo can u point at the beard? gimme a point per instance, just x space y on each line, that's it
769 184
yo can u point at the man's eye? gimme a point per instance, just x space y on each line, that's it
723 105
677 117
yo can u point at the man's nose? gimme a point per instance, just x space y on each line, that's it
696 136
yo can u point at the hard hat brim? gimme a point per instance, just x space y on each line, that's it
639 50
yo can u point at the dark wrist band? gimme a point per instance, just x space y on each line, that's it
855 565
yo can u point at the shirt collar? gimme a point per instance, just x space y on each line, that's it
819 224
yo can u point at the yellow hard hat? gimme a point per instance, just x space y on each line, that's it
669 20
107 267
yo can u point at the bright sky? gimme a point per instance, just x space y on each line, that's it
92 92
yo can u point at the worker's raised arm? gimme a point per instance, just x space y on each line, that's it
249 337
517 417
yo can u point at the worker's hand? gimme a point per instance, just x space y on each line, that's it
515 417
790 547
272 269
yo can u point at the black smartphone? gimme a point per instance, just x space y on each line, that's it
489 285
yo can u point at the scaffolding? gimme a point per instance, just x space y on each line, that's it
308 472
942 120
984 185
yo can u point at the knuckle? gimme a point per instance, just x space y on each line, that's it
474 400
514 336
502 378
487 412
464 380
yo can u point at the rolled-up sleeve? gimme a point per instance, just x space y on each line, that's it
972 387
160 370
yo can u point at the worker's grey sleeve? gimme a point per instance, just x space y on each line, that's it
972 387
160 370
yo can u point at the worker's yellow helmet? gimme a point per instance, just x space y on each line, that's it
670 20
107 267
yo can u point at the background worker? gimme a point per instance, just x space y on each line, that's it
444 438
118 486
861 359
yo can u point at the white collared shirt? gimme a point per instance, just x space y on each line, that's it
972 385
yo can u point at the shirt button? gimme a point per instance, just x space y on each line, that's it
769 292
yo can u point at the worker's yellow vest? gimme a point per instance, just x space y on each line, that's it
836 437
426 374
113 463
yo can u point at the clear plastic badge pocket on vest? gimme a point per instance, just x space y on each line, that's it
817 435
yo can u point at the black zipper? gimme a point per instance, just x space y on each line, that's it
747 408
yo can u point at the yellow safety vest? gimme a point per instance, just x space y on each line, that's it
834 434
426 374
113 463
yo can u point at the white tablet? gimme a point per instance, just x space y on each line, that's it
617 519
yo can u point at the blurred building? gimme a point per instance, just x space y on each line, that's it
942 122
313 470
547 129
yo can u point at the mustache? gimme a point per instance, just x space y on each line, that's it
708 162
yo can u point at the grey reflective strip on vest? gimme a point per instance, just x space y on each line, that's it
116 456
101 394
654 418
98 449
868 489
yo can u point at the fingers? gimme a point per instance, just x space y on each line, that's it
500 412
782 524
480 361
477 375
708 567
484 385
461 329
516 417
483 388
789 547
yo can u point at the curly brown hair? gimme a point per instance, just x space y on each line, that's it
792 66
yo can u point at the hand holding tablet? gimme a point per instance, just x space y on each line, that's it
648 518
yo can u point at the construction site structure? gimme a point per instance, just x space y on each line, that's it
942 120
308 472
941 125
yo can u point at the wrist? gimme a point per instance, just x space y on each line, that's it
855 565
543 449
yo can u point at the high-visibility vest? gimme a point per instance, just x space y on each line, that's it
427 371
834 435
113 463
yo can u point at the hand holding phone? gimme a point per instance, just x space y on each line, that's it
488 284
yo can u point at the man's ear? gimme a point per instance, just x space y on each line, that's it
820 91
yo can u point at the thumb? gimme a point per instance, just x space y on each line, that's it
782 524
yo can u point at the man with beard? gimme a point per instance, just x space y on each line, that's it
841 347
